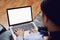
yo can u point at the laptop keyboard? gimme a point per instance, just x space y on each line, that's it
26 26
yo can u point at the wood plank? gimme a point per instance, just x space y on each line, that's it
4 4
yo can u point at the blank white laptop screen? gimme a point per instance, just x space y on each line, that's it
19 15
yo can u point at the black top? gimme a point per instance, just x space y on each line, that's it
55 35
43 30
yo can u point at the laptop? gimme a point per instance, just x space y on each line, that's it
20 17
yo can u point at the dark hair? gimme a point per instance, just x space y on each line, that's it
51 8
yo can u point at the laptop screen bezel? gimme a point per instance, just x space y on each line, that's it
22 22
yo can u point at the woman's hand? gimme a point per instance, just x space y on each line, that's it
19 32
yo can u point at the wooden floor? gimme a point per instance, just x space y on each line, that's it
4 4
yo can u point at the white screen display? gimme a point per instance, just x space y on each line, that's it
19 15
